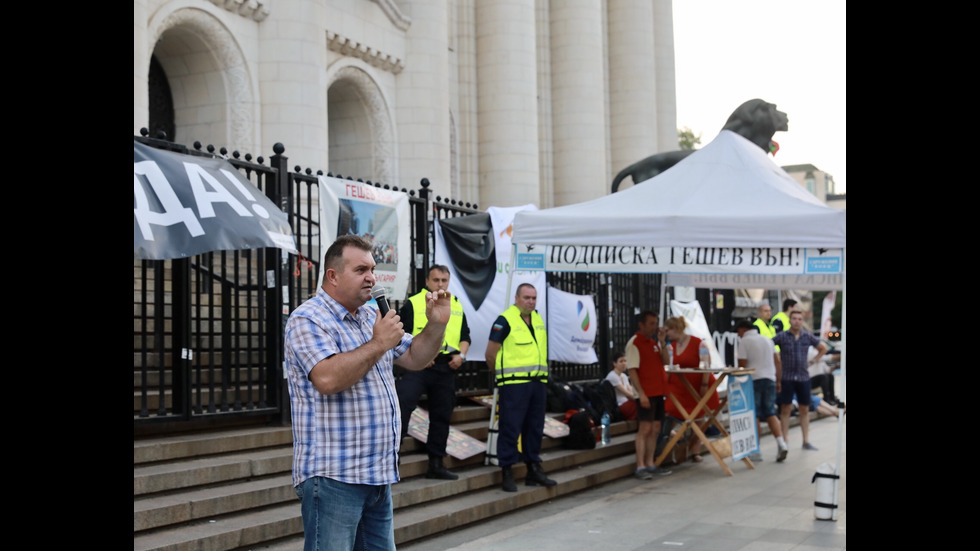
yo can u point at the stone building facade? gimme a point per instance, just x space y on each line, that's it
496 102
819 183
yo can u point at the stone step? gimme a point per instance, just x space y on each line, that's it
193 445
208 471
475 505
225 532
248 513
212 501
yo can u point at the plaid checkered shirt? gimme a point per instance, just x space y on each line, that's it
350 436
792 353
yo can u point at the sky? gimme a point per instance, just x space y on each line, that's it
788 52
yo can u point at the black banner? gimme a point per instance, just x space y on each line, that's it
185 206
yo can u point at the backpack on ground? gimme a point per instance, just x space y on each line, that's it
563 396
576 397
581 431
555 400
603 394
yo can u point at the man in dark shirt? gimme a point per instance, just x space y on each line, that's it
793 347
438 379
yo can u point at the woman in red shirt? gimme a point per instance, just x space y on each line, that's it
686 356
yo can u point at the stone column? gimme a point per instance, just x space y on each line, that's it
423 98
663 33
292 88
633 92
141 68
578 101
507 103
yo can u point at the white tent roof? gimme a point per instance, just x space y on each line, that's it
727 194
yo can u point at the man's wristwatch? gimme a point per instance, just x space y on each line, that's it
462 357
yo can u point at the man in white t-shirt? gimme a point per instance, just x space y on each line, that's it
758 353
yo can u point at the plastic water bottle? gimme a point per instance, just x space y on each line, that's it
605 428
704 357
670 350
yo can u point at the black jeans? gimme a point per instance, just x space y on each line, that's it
825 383
439 384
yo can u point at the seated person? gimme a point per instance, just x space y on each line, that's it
821 375
821 406
625 397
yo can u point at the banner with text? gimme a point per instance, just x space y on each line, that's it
741 416
711 260
381 216
571 327
184 205
480 320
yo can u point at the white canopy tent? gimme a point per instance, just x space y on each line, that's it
724 217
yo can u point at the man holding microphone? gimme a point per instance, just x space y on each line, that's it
346 421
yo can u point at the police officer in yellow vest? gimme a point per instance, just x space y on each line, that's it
438 379
762 322
518 350
780 322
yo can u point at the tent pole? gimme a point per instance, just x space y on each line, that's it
510 274
491 456
663 295
843 378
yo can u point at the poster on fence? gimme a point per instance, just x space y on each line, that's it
484 305
381 216
571 327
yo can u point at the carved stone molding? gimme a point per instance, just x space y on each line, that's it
347 47
395 15
381 130
232 67
251 9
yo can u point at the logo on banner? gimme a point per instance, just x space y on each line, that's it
526 261
571 334
583 316
829 265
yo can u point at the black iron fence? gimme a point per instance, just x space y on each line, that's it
208 329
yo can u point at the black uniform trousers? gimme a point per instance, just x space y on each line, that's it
439 384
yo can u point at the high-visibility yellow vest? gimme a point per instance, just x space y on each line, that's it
765 330
450 342
781 317
522 357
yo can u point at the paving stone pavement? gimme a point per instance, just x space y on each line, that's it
698 508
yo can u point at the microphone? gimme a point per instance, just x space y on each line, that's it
378 293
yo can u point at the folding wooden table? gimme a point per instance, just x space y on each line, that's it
691 418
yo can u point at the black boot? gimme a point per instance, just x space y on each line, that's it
536 477
508 484
437 470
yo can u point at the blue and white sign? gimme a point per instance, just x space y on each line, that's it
741 416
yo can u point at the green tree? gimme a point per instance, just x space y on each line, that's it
686 138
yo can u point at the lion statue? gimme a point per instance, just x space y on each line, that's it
756 120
